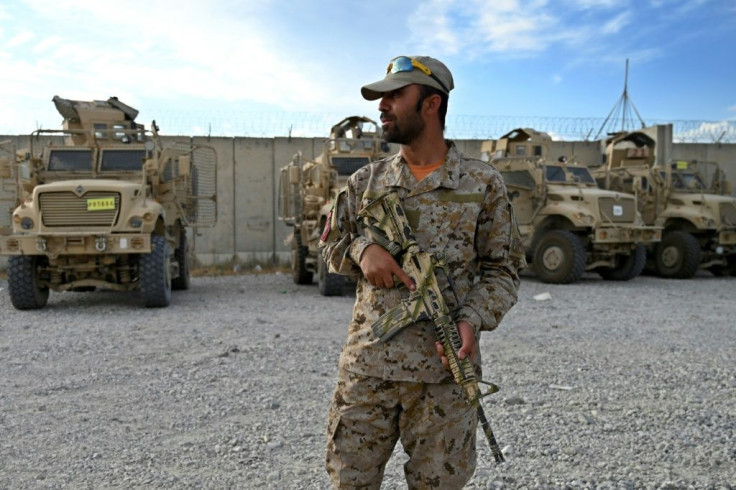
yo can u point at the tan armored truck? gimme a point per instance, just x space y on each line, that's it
568 225
308 187
690 198
103 204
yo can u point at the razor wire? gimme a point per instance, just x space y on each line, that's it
311 124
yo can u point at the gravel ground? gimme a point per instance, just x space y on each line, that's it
605 385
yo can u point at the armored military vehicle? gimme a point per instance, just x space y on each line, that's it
568 225
102 203
690 198
308 188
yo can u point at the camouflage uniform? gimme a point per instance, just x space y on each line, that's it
399 387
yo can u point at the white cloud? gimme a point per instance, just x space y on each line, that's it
433 17
515 28
592 4
19 39
476 26
614 25
163 49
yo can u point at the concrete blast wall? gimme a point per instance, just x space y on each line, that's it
248 230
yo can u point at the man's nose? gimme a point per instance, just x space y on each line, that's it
383 104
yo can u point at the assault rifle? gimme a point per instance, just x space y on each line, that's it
385 223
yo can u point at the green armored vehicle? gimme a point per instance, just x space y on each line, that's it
103 203
690 198
568 225
308 188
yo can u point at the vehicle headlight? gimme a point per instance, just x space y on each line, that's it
585 218
136 222
26 223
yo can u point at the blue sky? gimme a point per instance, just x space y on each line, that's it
203 65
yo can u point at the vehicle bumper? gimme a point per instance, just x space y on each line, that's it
57 245
633 234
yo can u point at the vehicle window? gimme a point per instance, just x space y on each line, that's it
554 173
80 160
100 130
348 165
688 180
581 174
122 160
518 178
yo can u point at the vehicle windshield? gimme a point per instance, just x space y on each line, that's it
70 160
581 174
557 173
518 178
687 181
554 173
122 160
348 165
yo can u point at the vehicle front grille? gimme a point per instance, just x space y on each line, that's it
728 214
622 210
68 209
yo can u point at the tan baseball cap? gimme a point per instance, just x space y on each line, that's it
405 70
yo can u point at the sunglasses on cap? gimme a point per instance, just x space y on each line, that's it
404 63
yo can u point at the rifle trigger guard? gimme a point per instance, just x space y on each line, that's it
491 388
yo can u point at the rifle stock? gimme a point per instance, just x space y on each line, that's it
385 222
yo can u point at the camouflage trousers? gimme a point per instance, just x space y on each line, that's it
369 415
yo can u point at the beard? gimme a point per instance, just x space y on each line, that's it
404 130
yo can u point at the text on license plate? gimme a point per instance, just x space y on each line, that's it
100 204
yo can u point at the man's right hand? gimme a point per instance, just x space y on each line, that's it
379 268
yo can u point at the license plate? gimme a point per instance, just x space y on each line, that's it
101 204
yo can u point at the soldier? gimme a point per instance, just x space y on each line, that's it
457 206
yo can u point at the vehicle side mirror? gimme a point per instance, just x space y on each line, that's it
728 187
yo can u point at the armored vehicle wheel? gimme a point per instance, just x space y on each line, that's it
181 255
329 284
627 266
299 255
559 257
678 255
25 291
155 275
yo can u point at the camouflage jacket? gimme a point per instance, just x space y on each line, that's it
461 210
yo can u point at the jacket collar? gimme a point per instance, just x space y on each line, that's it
447 176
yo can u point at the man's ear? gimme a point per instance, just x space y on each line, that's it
432 104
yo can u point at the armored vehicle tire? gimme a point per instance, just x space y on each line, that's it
627 266
181 255
23 287
329 284
299 255
559 257
677 256
155 275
